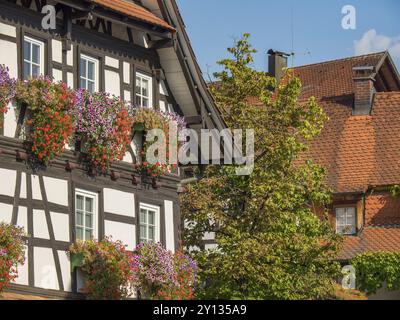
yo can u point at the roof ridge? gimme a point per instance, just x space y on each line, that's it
340 59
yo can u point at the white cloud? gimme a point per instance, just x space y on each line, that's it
371 42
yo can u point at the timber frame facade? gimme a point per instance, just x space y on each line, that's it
44 201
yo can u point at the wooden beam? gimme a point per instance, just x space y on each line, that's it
160 44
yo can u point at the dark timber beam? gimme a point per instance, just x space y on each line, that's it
160 44
119 18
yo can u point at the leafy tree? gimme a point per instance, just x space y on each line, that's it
271 244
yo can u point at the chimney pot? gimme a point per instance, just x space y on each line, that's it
277 62
364 78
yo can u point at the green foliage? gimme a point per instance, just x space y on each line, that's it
373 270
106 265
12 253
271 245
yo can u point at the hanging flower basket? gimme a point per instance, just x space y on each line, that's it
104 127
146 119
77 260
47 107
7 91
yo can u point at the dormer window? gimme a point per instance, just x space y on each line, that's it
346 220
143 91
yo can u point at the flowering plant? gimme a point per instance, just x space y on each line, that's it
160 274
104 125
186 272
51 124
171 124
107 268
12 253
7 90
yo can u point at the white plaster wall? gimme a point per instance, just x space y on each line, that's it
209 236
45 270
112 84
57 75
8 180
60 222
40 229
111 62
9 60
6 212
70 80
22 220
169 225
23 186
8 30
127 72
36 194
56 50
162 106
118 202
70 56
65 270
163 88
23 273
121 231
210 246
10 121
127 96
56 190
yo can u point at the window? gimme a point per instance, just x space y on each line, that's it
33 58
346 221
143 91
85 215
89 73
149 223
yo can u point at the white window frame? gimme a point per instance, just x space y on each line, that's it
96 72
41 58
157 220
339 227
142 76
95 197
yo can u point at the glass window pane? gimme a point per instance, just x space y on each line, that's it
89 205
138 101
138 85
27 50
351 213
83 68
79 233
82 84
145 88
145 102
90 86
35 53
143 232
91 67
150 216
142 216
79 202
27 70
88 234
89 221
79 218
35 71
151 234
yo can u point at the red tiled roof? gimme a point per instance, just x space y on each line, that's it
333 78
356 151
359 151
133 10
372 239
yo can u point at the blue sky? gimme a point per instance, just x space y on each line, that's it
318 34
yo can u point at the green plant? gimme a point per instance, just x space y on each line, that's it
12 253
375 269
7 90
106 265
271 244
51 124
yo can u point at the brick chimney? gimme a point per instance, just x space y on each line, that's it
277 62
364 78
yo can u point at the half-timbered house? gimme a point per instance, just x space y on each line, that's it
137 50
